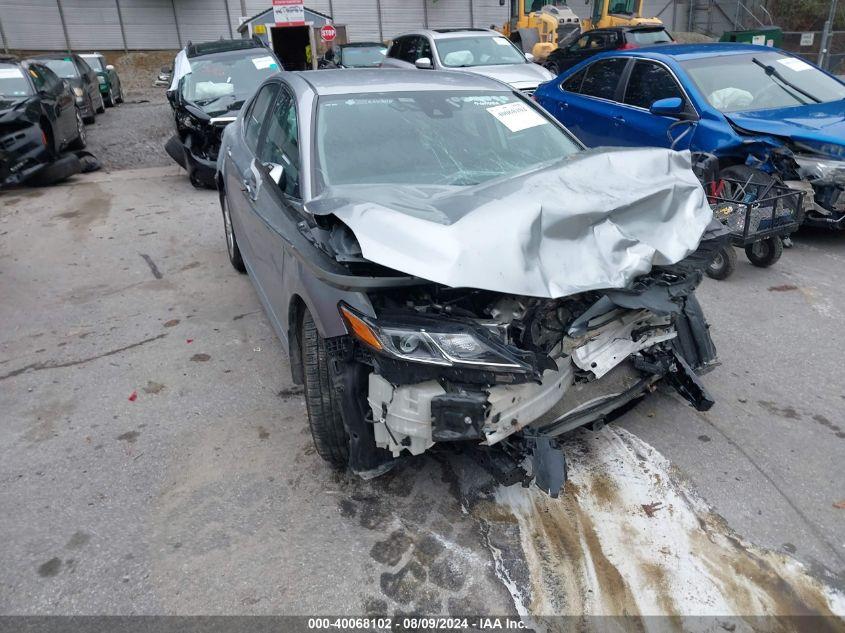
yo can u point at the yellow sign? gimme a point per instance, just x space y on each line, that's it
259 29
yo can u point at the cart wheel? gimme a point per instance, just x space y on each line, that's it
765 252
723 264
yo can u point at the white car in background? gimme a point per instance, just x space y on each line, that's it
481 51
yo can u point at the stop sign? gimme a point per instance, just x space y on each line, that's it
328 33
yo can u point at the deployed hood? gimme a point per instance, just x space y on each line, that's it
816 124
516 75
11 107
595 220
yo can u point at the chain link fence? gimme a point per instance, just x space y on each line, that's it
808 44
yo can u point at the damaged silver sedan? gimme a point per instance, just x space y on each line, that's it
445 263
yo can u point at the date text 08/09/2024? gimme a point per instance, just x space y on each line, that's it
418 623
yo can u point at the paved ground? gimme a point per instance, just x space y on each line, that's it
154 454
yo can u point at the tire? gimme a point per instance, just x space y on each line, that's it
102 107
723 264
765 252
232 248
552 67
119 98
110 100
92 118
324 418
81 139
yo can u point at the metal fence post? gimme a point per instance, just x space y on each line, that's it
380 22
228 18
176 22
122 28
425 13
3 37
823 44
64 24
471 15
827 36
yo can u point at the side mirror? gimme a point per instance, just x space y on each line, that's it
171 96
529 57
672 106
424 63
109 67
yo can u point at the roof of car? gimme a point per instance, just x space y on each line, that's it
375 80
56 55
360 44
694 51
440 34
197 49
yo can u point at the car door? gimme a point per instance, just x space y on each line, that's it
650 81
278 203
65 103
52 105
593 110
397 53
89 80
242 178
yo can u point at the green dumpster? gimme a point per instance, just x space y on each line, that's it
766 36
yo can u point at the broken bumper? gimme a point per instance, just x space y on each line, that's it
22 154
616 365
200 170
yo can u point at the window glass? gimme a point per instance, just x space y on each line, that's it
256 115
52 82
443 138
580 44
408 49
461 52
651 36
94 62
281 143
424 49
602 78
573 84
362 56
760 81
62 67
13 83
622 7
648 83
599 41
220 84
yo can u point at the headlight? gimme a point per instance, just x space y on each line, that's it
447 344
821 168
77 91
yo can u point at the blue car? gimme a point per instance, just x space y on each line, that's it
752 106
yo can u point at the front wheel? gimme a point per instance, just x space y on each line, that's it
723 264
91 118
110 100
102 107
552 67
765 252
232 247
81 140
324 417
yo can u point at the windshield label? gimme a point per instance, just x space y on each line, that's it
794 63
517 116
11 73
264 62
501 41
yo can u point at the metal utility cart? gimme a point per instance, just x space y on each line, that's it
758 211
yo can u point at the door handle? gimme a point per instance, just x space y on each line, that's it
248 187
619 119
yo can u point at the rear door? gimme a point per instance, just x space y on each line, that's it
278 206
242 178
650 81
594 111
58 103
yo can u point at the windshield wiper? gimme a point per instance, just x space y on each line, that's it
771 71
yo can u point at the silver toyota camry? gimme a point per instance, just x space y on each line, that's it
444 264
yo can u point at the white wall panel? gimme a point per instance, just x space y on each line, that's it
399 16
446 14
92 24
488 12
149 24
360 18
202 20
32 24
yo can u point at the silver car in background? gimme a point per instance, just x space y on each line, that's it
442 263
481 51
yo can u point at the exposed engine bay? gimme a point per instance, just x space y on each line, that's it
458 364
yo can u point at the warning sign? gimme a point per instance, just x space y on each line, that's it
288 12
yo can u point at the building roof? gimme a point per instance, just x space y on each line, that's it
242 26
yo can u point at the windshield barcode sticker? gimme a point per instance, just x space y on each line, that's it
794 63
501 41
263 62
517 116
10 73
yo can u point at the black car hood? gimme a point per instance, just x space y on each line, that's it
12 108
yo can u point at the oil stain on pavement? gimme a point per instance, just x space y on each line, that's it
598 550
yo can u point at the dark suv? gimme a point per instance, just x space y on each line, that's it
601 40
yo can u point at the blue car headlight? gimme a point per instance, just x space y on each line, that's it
816 168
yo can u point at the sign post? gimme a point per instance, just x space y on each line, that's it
288 12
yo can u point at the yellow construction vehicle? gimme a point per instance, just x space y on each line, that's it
608 13
540 29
